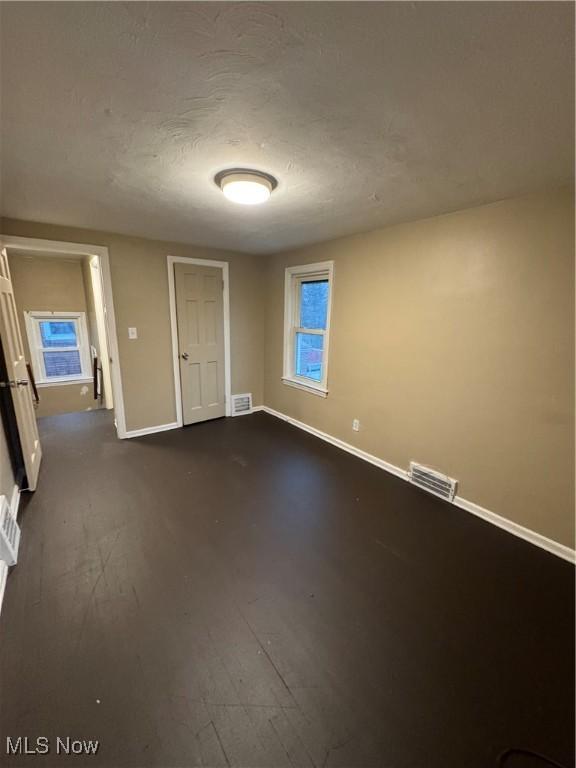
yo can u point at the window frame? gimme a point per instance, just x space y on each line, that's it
33 319
293 279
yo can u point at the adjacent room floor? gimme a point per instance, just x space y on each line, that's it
239 593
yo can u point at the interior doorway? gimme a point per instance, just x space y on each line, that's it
66 320
200 320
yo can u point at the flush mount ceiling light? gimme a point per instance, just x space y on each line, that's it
244 186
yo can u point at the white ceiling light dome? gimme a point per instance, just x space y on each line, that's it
245 186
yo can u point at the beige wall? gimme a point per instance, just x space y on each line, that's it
452 342
54 285
140 288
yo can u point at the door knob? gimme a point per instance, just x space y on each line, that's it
185 355
14 384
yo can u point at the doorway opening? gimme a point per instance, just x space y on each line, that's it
63 299
200 324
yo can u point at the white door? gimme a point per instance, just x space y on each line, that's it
200 318
18 376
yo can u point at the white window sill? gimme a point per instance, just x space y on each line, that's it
59 382
319 391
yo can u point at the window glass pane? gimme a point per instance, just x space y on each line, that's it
62 363
314 304
309 355
58 333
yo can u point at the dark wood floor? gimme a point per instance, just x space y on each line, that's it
239 593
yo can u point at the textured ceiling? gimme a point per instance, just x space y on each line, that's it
116 116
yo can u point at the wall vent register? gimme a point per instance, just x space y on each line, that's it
9 534
241 404
432 481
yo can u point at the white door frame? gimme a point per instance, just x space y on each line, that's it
223 265
55 248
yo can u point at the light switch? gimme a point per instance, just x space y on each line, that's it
132 333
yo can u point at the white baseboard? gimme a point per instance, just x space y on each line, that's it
151 430
538 539
339 443
560 550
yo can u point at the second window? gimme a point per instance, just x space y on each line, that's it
307 325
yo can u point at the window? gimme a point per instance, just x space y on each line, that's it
59 347
308 295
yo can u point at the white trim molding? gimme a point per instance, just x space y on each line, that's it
318 391
538 539
100 252
63 383
151 430
223 265
555 548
